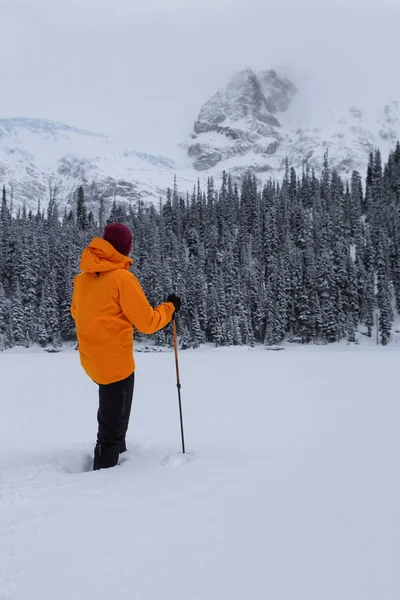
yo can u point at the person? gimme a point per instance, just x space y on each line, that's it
107 301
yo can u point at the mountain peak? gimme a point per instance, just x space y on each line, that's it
244 117
260 118
247 97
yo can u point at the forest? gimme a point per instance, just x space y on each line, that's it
313 258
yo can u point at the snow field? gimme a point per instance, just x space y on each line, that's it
290 489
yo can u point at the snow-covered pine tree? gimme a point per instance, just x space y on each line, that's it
81 212
18 324
383 290
3 316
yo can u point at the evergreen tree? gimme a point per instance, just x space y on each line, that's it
18 325
81 213
42 336
3 316
102 213
383 295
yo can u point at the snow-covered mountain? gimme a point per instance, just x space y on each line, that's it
254 123
259 119
36 154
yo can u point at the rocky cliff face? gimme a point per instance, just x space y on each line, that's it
244 118
258 120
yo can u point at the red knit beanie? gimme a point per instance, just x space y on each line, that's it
119 236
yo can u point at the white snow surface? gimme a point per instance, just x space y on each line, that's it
289 490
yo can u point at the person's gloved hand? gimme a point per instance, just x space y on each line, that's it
176 301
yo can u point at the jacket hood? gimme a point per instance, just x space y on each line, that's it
100 256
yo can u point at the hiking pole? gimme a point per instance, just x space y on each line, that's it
178 381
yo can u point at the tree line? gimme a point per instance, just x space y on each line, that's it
310 258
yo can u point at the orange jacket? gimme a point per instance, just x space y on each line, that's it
106 302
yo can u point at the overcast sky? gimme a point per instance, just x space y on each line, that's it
140 69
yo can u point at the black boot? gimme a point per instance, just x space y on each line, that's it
105 456
122 447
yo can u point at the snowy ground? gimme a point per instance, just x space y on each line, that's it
291 490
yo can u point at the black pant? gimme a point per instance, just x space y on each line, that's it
115 402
